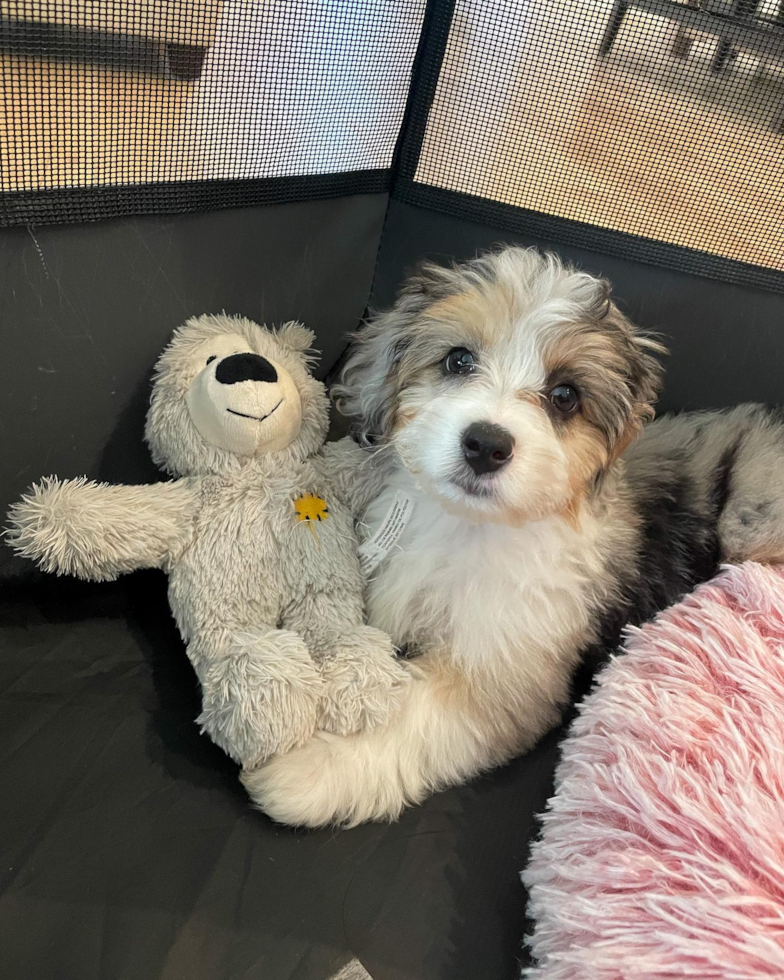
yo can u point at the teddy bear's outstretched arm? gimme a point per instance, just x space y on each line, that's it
98 531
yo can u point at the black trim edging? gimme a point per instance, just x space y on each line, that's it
567 232
68 204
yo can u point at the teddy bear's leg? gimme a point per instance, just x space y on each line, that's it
260 691
362 676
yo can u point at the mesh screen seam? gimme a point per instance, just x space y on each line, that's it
424 81
421 91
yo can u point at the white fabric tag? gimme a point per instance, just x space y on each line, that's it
375 549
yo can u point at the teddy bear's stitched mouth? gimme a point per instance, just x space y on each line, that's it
255 418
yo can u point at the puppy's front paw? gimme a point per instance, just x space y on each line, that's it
364 682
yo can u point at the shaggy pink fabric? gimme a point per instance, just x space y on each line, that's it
662 852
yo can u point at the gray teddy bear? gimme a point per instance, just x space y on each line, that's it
255 532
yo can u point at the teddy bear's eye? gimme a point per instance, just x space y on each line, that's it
211 358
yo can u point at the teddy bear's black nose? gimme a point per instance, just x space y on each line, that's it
245 367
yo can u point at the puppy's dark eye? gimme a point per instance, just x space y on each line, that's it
211 358
459 361
565 399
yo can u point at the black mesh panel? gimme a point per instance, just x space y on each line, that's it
650 128
123 106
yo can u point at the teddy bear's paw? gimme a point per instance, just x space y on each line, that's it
55 526
261 697
364 682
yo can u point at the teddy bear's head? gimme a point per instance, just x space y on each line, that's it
227 391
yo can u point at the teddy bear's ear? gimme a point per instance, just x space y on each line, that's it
295 336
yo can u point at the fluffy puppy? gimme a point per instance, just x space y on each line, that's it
506 395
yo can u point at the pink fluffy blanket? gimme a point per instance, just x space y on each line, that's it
662 851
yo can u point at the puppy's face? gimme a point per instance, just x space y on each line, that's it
507 385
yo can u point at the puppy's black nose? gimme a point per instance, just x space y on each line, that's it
487 447
245 367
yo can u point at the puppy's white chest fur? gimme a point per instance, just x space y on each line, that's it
478 591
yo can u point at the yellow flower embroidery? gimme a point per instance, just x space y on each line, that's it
310 509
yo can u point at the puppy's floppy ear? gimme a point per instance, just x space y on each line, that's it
599 302
643 372
296 336
369 384
429 282
370 381
646 376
